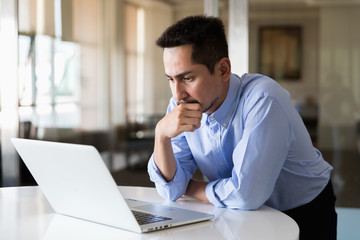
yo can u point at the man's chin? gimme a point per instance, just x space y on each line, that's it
210 106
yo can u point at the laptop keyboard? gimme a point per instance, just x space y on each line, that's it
146 218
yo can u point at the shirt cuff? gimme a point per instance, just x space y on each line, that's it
211 195
170 190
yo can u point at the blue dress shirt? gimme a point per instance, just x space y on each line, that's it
254 150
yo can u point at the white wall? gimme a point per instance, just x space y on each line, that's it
188 8
307 18
158 16
331 60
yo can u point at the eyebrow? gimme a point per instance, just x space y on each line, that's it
179 75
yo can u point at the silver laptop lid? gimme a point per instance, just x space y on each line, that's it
76 182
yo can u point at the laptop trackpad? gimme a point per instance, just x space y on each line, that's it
147 206
135 203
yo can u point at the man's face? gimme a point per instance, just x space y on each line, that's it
193 82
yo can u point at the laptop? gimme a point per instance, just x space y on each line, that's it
77 183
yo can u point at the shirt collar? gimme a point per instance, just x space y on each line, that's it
224 113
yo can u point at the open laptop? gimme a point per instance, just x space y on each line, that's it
77 183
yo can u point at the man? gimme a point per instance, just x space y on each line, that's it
243 133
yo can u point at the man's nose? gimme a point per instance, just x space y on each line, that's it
180 91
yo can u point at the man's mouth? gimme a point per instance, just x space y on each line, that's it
184 101
194 101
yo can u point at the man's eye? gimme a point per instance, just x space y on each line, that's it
187 79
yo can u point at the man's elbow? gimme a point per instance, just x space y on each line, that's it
247 204
169 194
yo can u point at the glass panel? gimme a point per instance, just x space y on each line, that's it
43 69
25 70
39 96
67 71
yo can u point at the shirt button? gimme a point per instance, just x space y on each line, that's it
224 124
211 118
221 163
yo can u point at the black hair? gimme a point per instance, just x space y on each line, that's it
205 34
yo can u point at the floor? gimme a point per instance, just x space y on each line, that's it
348 223
346 182
345 177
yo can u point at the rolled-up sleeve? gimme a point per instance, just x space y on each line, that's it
211 194
169 190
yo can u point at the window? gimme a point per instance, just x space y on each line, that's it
49 82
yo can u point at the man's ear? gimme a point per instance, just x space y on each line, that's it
224 68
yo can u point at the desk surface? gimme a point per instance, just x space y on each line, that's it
26 214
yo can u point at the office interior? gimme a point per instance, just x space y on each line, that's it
89 72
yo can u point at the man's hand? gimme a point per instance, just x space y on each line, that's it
185 117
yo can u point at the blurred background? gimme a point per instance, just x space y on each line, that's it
88 72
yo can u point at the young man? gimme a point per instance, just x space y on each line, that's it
243 133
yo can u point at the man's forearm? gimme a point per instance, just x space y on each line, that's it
197 189
164 158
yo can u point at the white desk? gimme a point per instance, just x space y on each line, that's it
26 214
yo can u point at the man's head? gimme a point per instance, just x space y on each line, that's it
196 61
205 34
